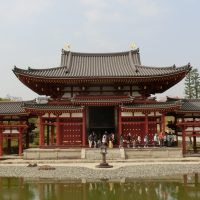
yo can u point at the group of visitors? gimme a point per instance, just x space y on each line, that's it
158 140
167 139
96 141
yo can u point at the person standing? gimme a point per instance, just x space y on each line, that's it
134 141
128 140
113 138
160 139
95 138
146 140
138 140
121 141
155 139
104 139
90 140
110 143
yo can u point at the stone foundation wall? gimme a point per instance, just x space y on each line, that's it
153 153
52 154
94 154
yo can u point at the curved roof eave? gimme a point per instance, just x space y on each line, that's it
179 70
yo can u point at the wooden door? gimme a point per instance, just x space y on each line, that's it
72 134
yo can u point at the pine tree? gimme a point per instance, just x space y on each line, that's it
192 85
196 83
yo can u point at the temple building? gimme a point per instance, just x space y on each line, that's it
99 92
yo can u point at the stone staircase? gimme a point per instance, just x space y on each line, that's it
95 154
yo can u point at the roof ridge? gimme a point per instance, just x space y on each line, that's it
103 53
164 67
34 69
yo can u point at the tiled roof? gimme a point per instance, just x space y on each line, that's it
102 99
122 64
11 107
158 105
191 105
51 106
187 105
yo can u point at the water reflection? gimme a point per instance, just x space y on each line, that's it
184 187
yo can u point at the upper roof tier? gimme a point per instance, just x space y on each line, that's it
122 64
102 68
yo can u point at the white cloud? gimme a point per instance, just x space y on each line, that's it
115 10
143 7
22 10
147 7
95 3
95 15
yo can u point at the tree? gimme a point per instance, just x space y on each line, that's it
192 85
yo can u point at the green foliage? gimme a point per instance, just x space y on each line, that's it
192 85
4 99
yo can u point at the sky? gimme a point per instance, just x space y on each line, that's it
33 32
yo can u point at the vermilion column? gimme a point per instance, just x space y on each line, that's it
146 123
84 128
1 142
57 130
52 134
47 133
183 140
119 125
163 123
41 133
20 141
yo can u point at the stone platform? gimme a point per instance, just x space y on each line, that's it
94 153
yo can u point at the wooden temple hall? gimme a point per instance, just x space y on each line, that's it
97 92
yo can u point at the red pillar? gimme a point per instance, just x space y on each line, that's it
84 128
183 140
1 142
52 134
146 124
47 136
119 124
58 142
163 123
20 141
41 133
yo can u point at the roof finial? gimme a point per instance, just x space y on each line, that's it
133 46
67 46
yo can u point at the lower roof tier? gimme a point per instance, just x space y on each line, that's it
25 108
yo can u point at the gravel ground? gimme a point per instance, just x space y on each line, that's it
119 172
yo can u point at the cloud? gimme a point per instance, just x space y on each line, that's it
120 10
95 3
22 10
99 16
147 7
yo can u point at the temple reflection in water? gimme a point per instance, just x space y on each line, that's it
180 187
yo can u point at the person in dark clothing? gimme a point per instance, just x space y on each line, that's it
128 140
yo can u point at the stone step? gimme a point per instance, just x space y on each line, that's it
95 154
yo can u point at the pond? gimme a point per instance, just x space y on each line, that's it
183 187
